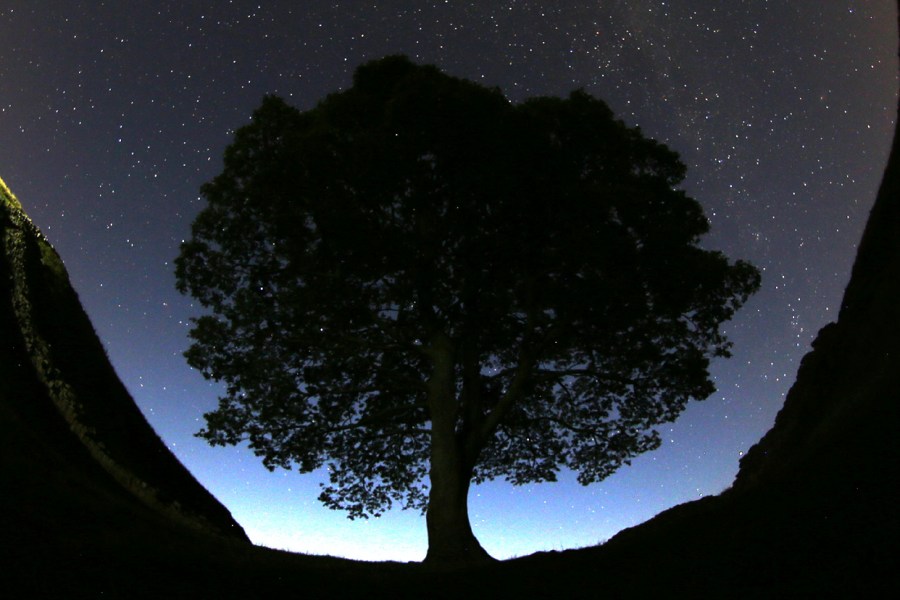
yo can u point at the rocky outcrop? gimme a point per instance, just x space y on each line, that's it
62 406
813 509
844 404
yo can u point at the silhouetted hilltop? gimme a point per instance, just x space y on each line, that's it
813 509
65 410
847 394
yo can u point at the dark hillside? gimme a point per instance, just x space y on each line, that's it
77 457
813 510
55 350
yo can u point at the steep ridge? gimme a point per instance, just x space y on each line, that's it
813 509
841 413
92 503
68 424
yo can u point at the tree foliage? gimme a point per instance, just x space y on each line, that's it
417 254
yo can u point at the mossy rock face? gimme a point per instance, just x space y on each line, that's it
53 345
8 196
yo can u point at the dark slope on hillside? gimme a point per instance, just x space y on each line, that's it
76 454
813 510
847 395
839 419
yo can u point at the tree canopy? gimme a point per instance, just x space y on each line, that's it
418 283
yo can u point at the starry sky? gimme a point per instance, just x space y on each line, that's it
112 114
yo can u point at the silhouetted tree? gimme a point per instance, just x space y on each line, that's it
418 281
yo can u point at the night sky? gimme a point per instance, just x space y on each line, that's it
112 114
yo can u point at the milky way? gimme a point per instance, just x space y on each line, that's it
112 114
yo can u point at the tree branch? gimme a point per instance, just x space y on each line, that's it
375 418
517 386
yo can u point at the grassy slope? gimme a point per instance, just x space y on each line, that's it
67 359
82 470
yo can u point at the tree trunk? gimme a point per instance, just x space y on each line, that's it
450 537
